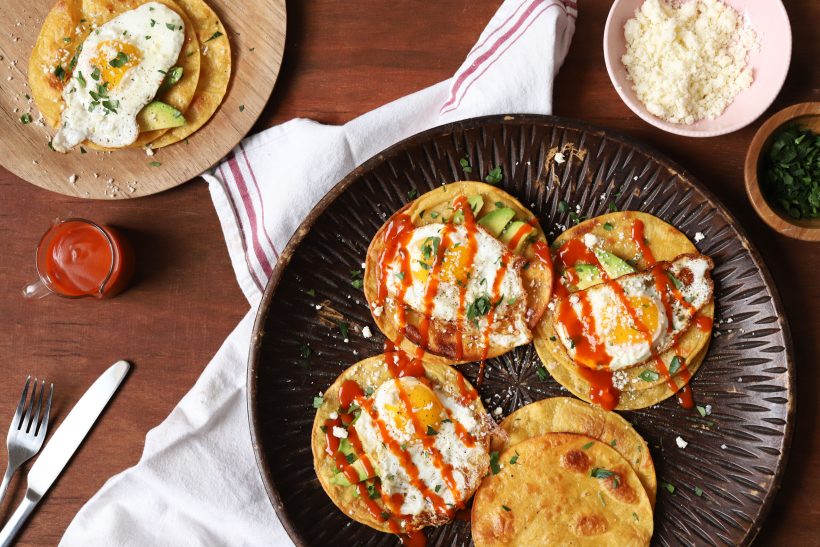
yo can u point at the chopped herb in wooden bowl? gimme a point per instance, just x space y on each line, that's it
791 172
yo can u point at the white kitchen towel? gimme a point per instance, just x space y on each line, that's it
197 482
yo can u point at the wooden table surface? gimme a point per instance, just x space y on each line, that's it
341 60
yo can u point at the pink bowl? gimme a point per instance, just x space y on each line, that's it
769 65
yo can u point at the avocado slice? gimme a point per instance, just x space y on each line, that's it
346 448
358 465
589 274
614 266
512 230
476 203
173 76
159 115
496 220
340 479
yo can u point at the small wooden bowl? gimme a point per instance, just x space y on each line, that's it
806 114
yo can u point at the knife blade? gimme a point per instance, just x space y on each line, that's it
63 444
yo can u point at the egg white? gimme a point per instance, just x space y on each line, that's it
509 324
158 33
467 462
603 299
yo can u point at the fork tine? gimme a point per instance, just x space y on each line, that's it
35 421
43 427
28 416
17 422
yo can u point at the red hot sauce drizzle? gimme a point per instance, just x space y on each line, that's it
471 245
582 333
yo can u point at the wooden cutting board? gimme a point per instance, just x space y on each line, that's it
257 34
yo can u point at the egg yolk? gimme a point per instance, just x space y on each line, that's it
617 328
455 264
114 58
425 406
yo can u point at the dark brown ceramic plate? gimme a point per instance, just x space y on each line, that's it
736 455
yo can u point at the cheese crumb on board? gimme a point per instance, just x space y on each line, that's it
688 61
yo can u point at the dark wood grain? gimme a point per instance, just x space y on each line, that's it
341 60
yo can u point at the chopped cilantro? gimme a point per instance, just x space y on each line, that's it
677 282
429 248
305 351
81 78
514 459
241 107
698 491
563 206
600 473
494 462
434 215
668 487
154 163
95 74
465 165
791 172
412 194
494 176
612 207
649 376
588 445
356 278
25 119
608 226
214 36
541 372
120 60
372 492
614 443
344 329
311 292
504 507
171 26
83 150
400 276
675 365
385 515
59 72
431 431
437 488
479 308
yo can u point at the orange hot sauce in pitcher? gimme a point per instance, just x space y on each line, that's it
77 257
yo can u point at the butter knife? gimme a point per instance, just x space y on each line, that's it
64 442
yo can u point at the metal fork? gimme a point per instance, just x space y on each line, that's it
27 431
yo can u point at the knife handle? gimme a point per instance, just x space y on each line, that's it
19 518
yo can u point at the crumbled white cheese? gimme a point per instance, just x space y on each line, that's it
339 432
318 306
148 150
699 237
590 240
681 443
708 409
378 310
559 157
72 179
366 332
723 447
364 265
688 60
346 340
333 415
497 411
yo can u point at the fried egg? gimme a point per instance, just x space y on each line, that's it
467 269
625 321
446 439
119 69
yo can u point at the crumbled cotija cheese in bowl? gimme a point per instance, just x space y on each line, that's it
688 60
